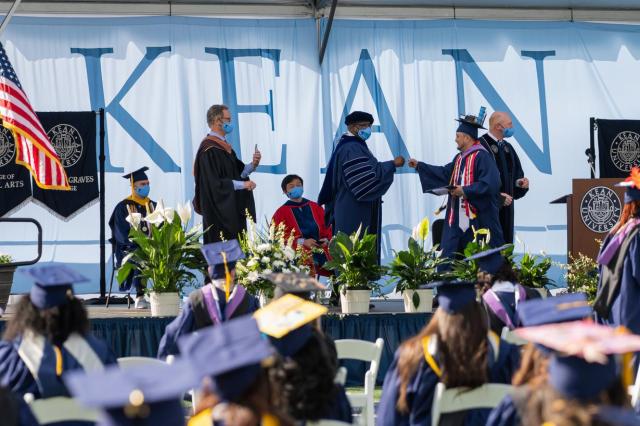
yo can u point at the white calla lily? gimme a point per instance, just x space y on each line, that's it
184 211
134 219
155 218
169 214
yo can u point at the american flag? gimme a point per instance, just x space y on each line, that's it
33 148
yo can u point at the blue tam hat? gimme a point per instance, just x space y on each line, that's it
358 117
454 296
137 175
232 353
550 310
213 253
491 260
53 284
141 396
576 378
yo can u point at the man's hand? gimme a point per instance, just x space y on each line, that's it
523 183
413 163
457 191
398 161
257 156
249 185
508 199
310 243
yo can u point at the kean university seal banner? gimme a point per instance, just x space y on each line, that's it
618 147
15 181
73 135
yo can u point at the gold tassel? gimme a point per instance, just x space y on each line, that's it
227 276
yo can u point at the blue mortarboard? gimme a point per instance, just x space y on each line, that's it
490 260
302 285
358 117
231 352
213 253
563 308
53 284
454 296
617 416
469 124
141 396
632 183
289 344
137 175
576 378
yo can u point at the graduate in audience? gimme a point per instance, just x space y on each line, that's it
455 348
214 303
309 363
619 264
48 336
535 358
305 218
501 292
138 202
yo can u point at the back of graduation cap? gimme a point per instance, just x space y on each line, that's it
632 183
137 175
286 321
469 124
491 260
454 296
53 284
232 353
302 285
563 308
221 258
141 396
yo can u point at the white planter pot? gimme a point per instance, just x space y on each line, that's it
426 300
543 292
164 304
355 301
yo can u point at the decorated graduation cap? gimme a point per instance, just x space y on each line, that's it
358 117
562 308
287 322
632 183
302 285
53 284
469 124
137 175
454 296
222 257
141 396
491 260
232 353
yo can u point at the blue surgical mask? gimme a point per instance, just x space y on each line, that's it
227 127
296 192
364 133
143 191
507 132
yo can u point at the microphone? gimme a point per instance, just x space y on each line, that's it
589 154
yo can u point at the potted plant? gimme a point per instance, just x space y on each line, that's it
468 271
415 267
6 280
166 257
582 276
354 260
532 272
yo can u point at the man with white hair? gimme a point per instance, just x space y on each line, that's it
514 184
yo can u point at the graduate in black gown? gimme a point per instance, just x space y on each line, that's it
356 181
455 348
223 190
214 303
138 203
473 184
514 184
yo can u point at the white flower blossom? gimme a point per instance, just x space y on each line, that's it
277 255
279 264
286 270
253 276
134 219
251 263
169 214
184 211
155 218
289 253
267 272
265 259
262 248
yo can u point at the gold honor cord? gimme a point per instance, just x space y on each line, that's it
429 358
227 276
58 353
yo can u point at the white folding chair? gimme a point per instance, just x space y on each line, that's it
462 399
59 409
341 376
510 337
634 390
362 350
138 361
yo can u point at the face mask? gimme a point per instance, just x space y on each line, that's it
296 192
364 133
143 191
227 127
508 132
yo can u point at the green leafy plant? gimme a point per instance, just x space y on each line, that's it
169 254
355 261
468 270
5 258
532 270
582 275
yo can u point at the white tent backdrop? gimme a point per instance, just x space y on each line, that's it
156 77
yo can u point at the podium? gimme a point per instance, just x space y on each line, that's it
593 208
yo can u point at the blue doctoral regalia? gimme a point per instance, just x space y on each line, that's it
353 187
423 384
120 236
483 194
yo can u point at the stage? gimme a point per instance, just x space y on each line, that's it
132 332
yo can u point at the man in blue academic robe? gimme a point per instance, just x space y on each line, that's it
356 181
473 184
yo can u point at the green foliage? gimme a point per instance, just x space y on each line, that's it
355 261
5 258
468 271
532 270
416 266
582 276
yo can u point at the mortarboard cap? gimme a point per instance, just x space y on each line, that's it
577 378
53 284
231 352
563 308
286 321
469 124
213 253
358 117
302 285
141 396
491 260
454 296
137 175
632 183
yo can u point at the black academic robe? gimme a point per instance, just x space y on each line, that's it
120 235
223 209
353 188
510 171
482 193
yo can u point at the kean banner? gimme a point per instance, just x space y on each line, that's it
618 147
15 181
73 135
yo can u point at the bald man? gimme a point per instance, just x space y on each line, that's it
514 184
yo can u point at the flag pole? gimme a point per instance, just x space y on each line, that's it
9 15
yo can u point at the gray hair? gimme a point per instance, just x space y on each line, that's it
215 112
